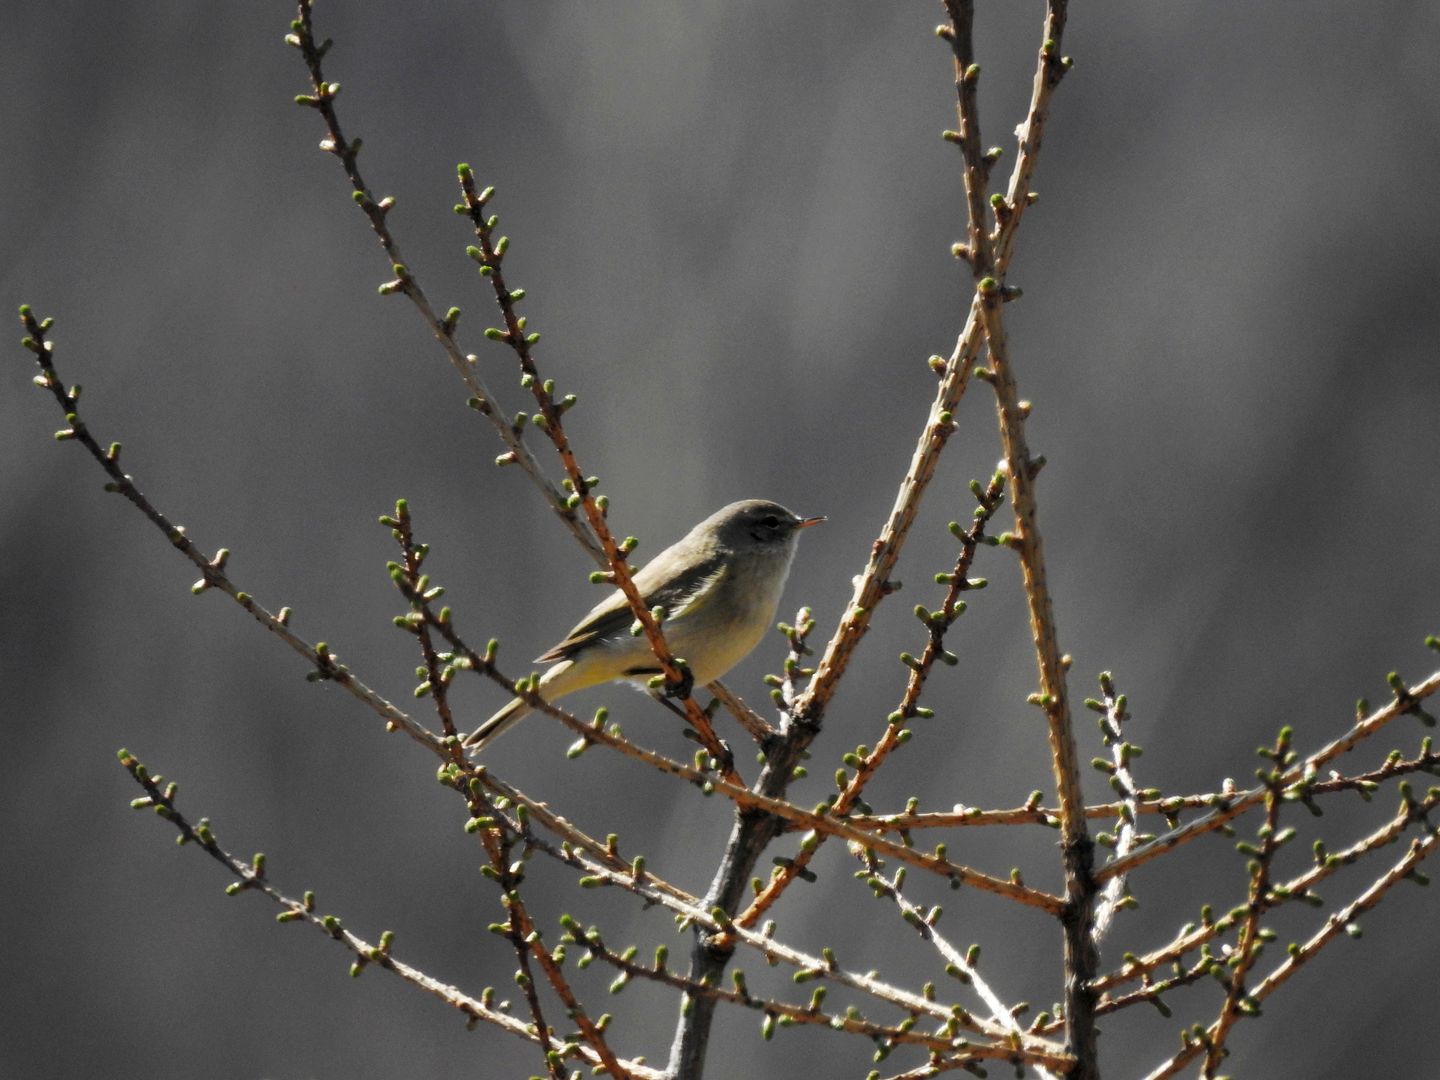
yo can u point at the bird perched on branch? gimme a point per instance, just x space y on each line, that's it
719 585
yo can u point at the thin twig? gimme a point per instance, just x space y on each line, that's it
1296 779
251 877
1148 801
760 729
1298 887
750 835
1081 956
1341 921
958 964
346 151
490 254
1257 902
1007 1048
1114 895
601 864
497 840
319 655
874 584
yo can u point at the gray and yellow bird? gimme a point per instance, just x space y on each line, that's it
719 585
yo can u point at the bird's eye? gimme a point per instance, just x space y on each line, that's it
770 521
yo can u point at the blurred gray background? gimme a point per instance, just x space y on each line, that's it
733 220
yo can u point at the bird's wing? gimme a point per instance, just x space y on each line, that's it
695 594
613 615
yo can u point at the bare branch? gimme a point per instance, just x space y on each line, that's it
1296 887
346 151
319 656
1113 896
957 964
1081 957
1248 943
251 877
1197 1043
1296 779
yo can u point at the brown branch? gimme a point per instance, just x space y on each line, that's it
1296 779
437 674
346 151
753 805
601 864
251 877
975 164
1007 1048
525 939
517 928
757 726
1248 944
930 1069
324 661
598 539
1147 801
874 583
957 964
1081 956
1341 921
1298 887
799 727
497 840
319 656
751 833
322 99
754 802
410 586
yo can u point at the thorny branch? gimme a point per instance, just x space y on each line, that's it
498 841
1299 780
251 877
1112 707
347 151
1081 955
319 656
1197 1042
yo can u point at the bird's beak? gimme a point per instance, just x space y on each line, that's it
805 523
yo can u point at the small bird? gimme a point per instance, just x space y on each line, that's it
719 586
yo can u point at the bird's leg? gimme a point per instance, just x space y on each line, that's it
681 687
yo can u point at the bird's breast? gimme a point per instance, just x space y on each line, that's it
724 630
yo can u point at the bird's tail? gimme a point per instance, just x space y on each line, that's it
497 725
560 679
